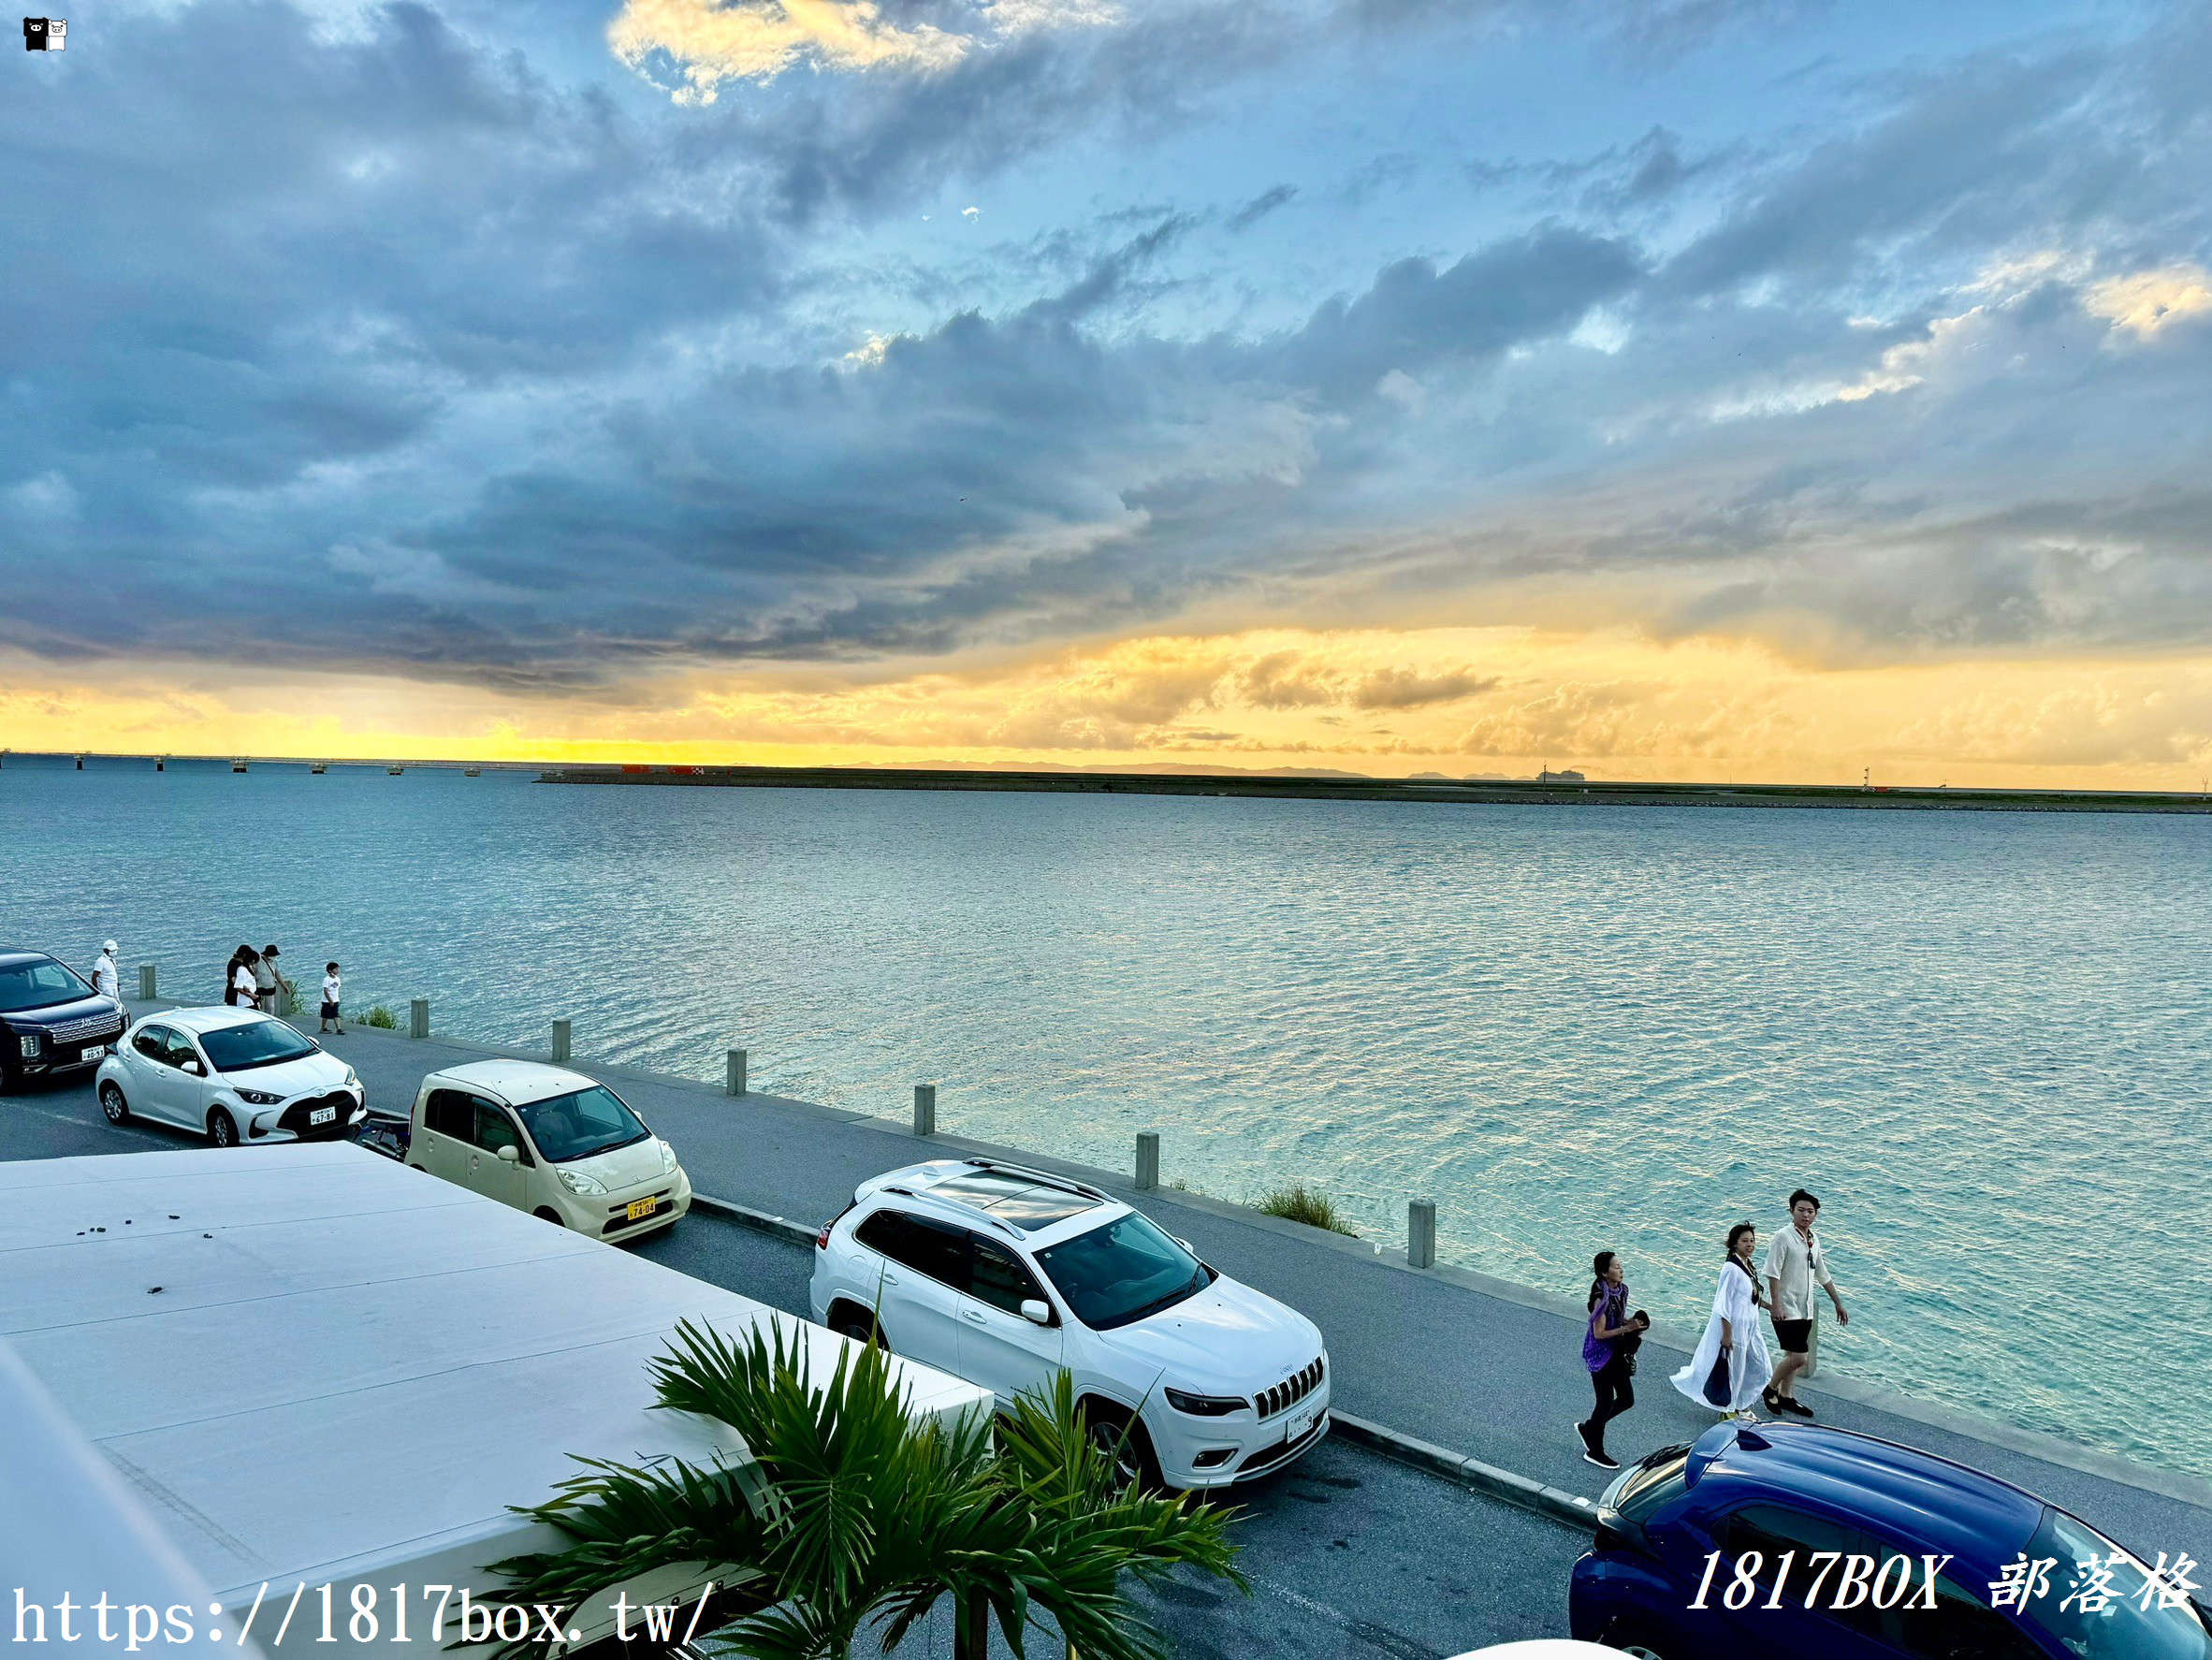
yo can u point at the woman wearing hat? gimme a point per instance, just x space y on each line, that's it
269 981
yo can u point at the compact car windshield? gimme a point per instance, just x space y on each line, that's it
1122 1272
38 985
593 1120
2132 1625
263 1043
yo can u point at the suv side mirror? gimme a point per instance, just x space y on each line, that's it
509 1153
1037 1311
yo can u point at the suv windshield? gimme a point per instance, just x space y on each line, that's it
593 1120
262 1044
2132 1625
38 985
1122 1272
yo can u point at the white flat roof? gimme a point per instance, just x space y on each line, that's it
347 1363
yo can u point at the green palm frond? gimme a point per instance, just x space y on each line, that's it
851 1516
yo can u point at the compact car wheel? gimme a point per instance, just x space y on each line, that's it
545 1214
222 1129
112 1103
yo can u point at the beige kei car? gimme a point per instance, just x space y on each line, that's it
551 1142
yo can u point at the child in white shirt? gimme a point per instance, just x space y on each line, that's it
331 1022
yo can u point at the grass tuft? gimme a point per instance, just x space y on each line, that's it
382 1018
1299 1203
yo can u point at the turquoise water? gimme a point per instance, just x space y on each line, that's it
1981 1038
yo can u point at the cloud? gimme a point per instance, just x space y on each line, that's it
2150 302
1261 206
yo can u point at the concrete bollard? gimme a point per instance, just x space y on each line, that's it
925 1108
733 1072
1421 1233
419 1018
560 1040
145 983
1147 1160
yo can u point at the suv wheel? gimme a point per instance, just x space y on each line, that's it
1121 1438
112 1103
222 1129
857 1324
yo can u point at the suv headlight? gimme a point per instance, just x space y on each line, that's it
576 1181
1206 1405
32 1042
667 1159
258 1098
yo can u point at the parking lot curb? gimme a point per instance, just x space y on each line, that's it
760 1221
1567 1509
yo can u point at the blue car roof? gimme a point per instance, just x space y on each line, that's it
1908 1495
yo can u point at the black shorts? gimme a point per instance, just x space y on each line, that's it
329 1011
1795 1335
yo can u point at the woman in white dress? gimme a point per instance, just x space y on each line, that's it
1731 1366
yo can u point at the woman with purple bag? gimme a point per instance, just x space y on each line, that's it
1609 1343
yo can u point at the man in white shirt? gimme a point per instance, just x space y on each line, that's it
104 978
1795 1264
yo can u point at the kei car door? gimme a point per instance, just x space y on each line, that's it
491 1176
446 1136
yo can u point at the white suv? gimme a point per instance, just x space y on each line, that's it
1004 1276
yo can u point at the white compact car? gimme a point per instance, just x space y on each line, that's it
233 1075
551 1142
1004 1276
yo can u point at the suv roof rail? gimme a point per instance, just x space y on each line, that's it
959 1204
1050 1180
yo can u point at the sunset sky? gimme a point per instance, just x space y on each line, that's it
1671 388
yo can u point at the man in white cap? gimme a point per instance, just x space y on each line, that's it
104 978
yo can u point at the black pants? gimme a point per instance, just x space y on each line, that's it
1615 1395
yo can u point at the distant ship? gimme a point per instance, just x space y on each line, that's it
394 770
237 766
471 772
319 767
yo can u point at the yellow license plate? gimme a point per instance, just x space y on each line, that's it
642 1207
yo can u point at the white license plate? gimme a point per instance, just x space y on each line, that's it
322 1114
95 1052
1299 1423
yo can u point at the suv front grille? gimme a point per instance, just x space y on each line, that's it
1289 1393
88 1028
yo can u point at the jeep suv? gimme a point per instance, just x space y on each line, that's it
1005 1276
51 1018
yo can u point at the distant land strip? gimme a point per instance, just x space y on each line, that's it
1529 793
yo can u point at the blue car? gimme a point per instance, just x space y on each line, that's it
1799 1540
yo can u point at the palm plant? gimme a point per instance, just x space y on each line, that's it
852 1518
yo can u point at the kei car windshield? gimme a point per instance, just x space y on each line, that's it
1122 1272
259 1043
38 985
591 1121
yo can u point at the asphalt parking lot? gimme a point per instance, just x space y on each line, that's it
1350 1555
